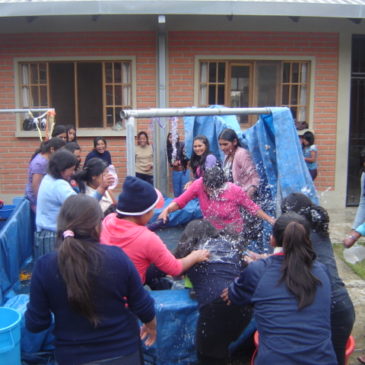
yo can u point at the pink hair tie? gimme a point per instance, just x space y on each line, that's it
68 233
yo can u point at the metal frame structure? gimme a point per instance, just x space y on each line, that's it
160 144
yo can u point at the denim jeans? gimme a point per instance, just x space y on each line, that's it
179 179
360 213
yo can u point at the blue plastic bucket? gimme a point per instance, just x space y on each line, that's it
5 213
9 336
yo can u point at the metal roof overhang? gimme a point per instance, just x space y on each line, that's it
292 8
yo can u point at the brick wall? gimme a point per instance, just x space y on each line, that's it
16 152
184 46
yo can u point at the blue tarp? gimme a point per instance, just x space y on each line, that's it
16 239
275 148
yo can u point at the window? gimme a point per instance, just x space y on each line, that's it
256 83
89 94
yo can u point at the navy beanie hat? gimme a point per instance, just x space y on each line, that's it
137 197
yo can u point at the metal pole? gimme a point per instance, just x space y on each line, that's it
25 110
172 112
131 169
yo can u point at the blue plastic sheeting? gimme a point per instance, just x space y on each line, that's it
177 315
182 216
32 344
275 148
15 247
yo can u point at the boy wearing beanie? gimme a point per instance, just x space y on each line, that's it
126 229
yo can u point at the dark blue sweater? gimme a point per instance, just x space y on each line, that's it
104 156
116 286
287 335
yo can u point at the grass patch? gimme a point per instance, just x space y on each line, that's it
358 268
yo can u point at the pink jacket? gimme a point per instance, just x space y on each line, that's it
224 209
141 245
243 170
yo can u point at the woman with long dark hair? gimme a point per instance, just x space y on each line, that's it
201 158
38 168
93 291
100 151
144 158
291 296
342 310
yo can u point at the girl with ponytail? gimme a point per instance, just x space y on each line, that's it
342 310
94 313
291 296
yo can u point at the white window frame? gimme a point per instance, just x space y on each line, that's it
81 132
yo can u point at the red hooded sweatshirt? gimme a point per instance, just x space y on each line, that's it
141 245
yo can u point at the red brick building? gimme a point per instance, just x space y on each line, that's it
89 59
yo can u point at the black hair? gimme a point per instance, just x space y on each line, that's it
97 139
194 233
58 129
292 232
309 137
229 135
93 167
316 215
199 161
60 161
68 128
72 146
142 133
54 144
214 178
80 257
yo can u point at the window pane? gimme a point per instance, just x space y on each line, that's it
109 72
203 95
34 96
203 72
109 95
25 97
34 73
301 114
295 72
44 101
212 100
303 76
117 72
126 72
25 74
303 95
220 100
42 73
285 96
109 117
118 95
286 72
221 72
212 72
127 97
294 95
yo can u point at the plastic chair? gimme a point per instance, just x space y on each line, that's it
350 347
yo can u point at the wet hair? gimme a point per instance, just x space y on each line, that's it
309 137
68 128
97 139
54 143
229 135
194 233
61 161
214 178
93 167
317 216
199 161
80 257
58 129
292 231
142 133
